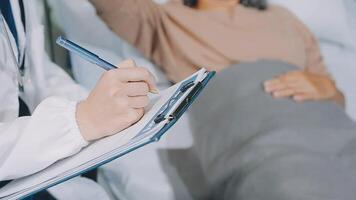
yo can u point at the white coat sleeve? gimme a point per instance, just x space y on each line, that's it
30 144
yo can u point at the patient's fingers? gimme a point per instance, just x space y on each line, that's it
296 84
274 87
283 93
277 84
291 76
272 82
302 97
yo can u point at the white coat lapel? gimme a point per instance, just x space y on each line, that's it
19 27
34 63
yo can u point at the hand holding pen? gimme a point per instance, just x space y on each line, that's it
117 101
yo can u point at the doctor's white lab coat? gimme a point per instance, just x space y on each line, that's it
30 144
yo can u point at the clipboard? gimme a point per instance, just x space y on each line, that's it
183 95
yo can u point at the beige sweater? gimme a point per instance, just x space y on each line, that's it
181 39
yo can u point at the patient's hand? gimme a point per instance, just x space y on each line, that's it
303 86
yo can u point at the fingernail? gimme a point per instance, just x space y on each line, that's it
154 91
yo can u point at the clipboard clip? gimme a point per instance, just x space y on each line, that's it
186 102
161 117
166 114
183 105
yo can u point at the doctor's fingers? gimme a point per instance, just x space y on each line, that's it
138 102
135 74
135 114
137 89
127 64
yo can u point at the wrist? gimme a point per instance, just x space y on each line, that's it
339 98
329 88
84 122
336 95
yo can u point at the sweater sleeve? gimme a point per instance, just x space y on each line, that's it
314 62
136 21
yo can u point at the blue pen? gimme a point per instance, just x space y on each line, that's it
87 55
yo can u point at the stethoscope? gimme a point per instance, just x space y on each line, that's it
18 60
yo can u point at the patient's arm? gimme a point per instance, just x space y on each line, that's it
135 21
303 86
314 61
314 83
